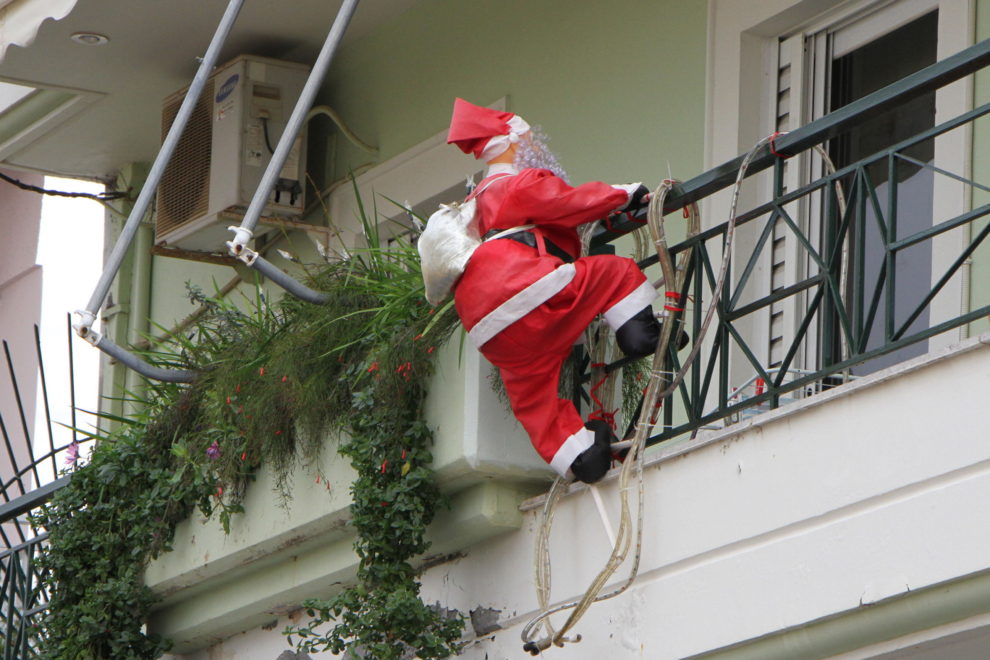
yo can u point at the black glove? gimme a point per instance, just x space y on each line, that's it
639 198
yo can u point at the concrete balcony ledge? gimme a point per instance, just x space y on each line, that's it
279 554
845 520
880 378
854 519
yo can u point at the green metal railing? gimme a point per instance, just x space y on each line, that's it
23 595
844 317
23 599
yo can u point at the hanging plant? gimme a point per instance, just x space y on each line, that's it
275 381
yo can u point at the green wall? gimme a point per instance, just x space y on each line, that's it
619 87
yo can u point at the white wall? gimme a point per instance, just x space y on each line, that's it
20 309
70 251
854 519
825 510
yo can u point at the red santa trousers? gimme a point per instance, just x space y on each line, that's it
530 351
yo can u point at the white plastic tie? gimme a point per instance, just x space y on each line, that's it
84 328
241 237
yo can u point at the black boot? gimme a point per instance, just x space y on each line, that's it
682 339
592 464
639 336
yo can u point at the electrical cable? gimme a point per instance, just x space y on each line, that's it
98 197
264 128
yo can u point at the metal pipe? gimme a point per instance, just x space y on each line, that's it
20 409
44 398
344 128
138 323
88 316
244 233
13 461
284 280
132 361
72 377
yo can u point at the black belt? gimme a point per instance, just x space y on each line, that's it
528 239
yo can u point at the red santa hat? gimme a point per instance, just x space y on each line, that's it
484 132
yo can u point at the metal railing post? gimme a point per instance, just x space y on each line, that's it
244 232
88 315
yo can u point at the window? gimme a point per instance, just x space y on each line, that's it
811 58
857 70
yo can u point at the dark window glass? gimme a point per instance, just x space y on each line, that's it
854 75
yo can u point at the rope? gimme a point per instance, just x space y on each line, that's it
658 389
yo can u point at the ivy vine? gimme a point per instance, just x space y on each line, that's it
275 382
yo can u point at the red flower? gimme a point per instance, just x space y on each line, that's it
417 337
244 456
261 371
228 400
285 378
373 367
430 349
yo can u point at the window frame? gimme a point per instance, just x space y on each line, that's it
744 55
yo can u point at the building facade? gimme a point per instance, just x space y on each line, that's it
816 490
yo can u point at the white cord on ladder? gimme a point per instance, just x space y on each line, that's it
634 459
603 514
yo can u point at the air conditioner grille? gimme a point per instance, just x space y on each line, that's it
184 192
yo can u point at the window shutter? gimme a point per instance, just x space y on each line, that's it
784 257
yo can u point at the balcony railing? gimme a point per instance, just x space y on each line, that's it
30 484
848 312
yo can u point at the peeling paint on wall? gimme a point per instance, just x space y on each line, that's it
485 620
292 655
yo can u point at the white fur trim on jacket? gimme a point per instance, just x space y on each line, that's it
628 307
629 189
522 304
498 144
571 449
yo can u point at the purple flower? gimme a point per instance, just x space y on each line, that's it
72 453
213 451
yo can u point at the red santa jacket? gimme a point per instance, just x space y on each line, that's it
505 280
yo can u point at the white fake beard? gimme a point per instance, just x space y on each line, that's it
534 152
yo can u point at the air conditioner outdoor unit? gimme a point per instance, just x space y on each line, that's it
224 151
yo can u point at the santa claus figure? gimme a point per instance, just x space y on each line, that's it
525 296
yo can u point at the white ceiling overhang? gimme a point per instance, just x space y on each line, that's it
90 109
20 19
